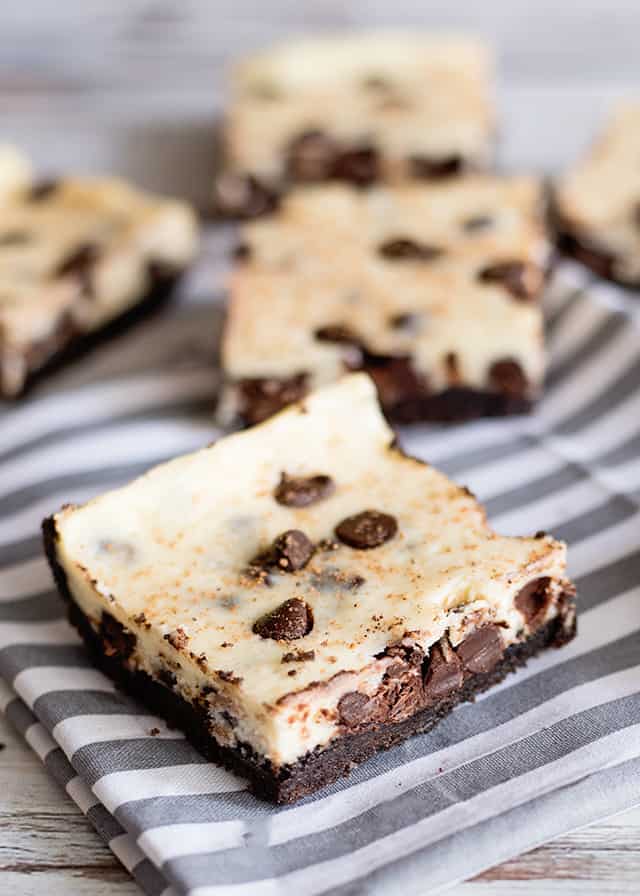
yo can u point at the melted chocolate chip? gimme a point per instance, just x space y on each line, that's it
507 376
395 378
336 333
43 188
311 157
302 491
117 640
292 550
533 600
424 167
516 277
291 620
477 223
14 238
402 249
243 196
353 708
482 649
357 166
299 656
444 671
261 397
80 265
366 530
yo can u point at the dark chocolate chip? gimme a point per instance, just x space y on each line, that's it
516 277
243 196
336 333
409 321
368 529
167 677
533 600
80 265
402 249
444 672
117 640
353 708
395 378
43 188
482 649
302 491
424 167
566 620
262 397
299 656
242 252
291 620
311 157
292 550
357 166
507 376
477 223
14 238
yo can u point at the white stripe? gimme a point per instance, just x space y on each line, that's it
604 434
550 511
35 681
116 788
604 548
497 477
7 695
125 849
58 632
25 579
173 840
621 479
573 331
40 740
80 793
605 753
25 523
77 731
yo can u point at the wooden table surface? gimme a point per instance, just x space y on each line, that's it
134 87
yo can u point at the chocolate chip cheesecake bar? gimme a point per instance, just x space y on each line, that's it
432 289
597 204
302 594
356 108
77 256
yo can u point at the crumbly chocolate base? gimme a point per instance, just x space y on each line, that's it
68 343
319 767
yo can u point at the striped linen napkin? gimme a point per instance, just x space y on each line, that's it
553 747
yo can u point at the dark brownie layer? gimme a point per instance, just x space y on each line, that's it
69 343
414 696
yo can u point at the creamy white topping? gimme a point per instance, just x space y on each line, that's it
409 94
599 198
175 545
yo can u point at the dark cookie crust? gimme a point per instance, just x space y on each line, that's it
67 343
320 767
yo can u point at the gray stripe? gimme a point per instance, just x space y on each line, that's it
147 876
97 760
535 489
15 658
105 824
614 510
56 706
621 454
562 311
59 767
465 461
426 800
610 329
19 715
608 581
624 387
42 607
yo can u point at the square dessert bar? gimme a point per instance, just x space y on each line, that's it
78 255
597 203
432 289
302 594
356 108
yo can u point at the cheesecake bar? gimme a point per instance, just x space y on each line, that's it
597 203
301 595
432 289
356 108
77 257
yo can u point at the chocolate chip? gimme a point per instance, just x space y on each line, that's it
482 649
357 166
336 333
353 708
409 321
368 529
291 620
444 671
395 378
242 252
517 277
14 238
533 600
302 491
429 168
292 550
566 619
117 640
80 265
299 656
243 196
311 157
507 376
477 223
43 188
259 398
402 249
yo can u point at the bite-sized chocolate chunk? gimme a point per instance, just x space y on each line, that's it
292 550
80 265
533 600
12 238
291 620
402 248
358 166
366 530
259 398
433 169
336 333
43 189
116 639
507 376
354 709
395 378
477 223
311 157
482 649
243 196
444 673
299 656
518 277
302 491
